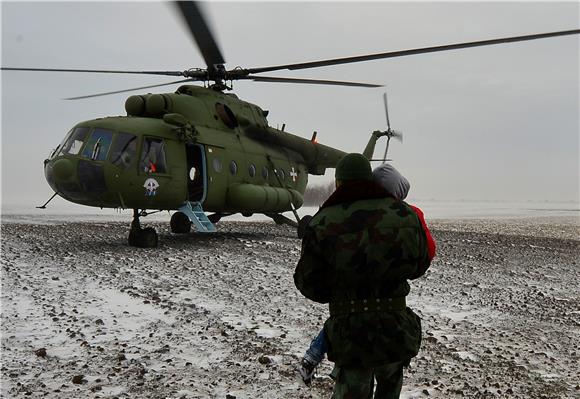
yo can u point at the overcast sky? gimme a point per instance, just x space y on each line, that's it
494 123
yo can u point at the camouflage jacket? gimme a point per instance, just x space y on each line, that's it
364 244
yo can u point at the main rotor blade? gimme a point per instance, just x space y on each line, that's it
403 53
193 17
126 90
167 73
273 79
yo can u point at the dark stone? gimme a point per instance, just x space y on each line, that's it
40 352
78 379
264 360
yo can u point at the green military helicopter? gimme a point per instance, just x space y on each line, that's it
201 149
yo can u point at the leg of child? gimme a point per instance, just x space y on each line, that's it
318 348
313 356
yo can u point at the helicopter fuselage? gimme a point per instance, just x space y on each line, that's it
194 145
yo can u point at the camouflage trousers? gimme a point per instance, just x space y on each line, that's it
356 383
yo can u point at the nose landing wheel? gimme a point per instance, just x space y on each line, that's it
139 237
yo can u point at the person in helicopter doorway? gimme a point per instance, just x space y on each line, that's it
358 252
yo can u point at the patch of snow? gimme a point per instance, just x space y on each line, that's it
463 355
122 315
113 390
268 332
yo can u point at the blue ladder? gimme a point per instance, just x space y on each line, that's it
195 213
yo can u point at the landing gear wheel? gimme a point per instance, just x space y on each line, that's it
149 237
180 223
214 217
143 238
303 224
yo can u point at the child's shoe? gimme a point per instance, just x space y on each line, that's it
306 371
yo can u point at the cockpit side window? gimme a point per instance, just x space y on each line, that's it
98 145
153 156
124 150
75 141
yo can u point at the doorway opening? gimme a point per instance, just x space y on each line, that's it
196 174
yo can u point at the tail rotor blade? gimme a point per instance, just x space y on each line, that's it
386 110
386 149
397 135
390 133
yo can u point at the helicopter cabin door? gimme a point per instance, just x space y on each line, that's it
196 174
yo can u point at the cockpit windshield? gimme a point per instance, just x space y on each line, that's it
58 148
120 148
98 145
75 141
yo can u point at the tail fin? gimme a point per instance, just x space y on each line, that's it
370 148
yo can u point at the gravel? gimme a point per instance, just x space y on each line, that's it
86 316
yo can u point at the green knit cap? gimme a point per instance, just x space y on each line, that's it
353 167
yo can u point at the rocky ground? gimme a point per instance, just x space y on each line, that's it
203 316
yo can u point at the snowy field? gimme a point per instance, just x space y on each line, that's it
60 210
218 316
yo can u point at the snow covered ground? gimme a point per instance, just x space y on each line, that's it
203 316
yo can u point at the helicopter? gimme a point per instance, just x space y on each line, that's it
201 149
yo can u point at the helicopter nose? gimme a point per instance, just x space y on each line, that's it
77 180
62 169
49 174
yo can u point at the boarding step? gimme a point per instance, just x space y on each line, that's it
195 213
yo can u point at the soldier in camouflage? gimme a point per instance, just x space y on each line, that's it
358 252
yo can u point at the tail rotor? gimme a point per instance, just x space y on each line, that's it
390 133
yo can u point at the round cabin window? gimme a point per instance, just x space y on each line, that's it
265 172
217 164
233 167
252 170
281 174
226 115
